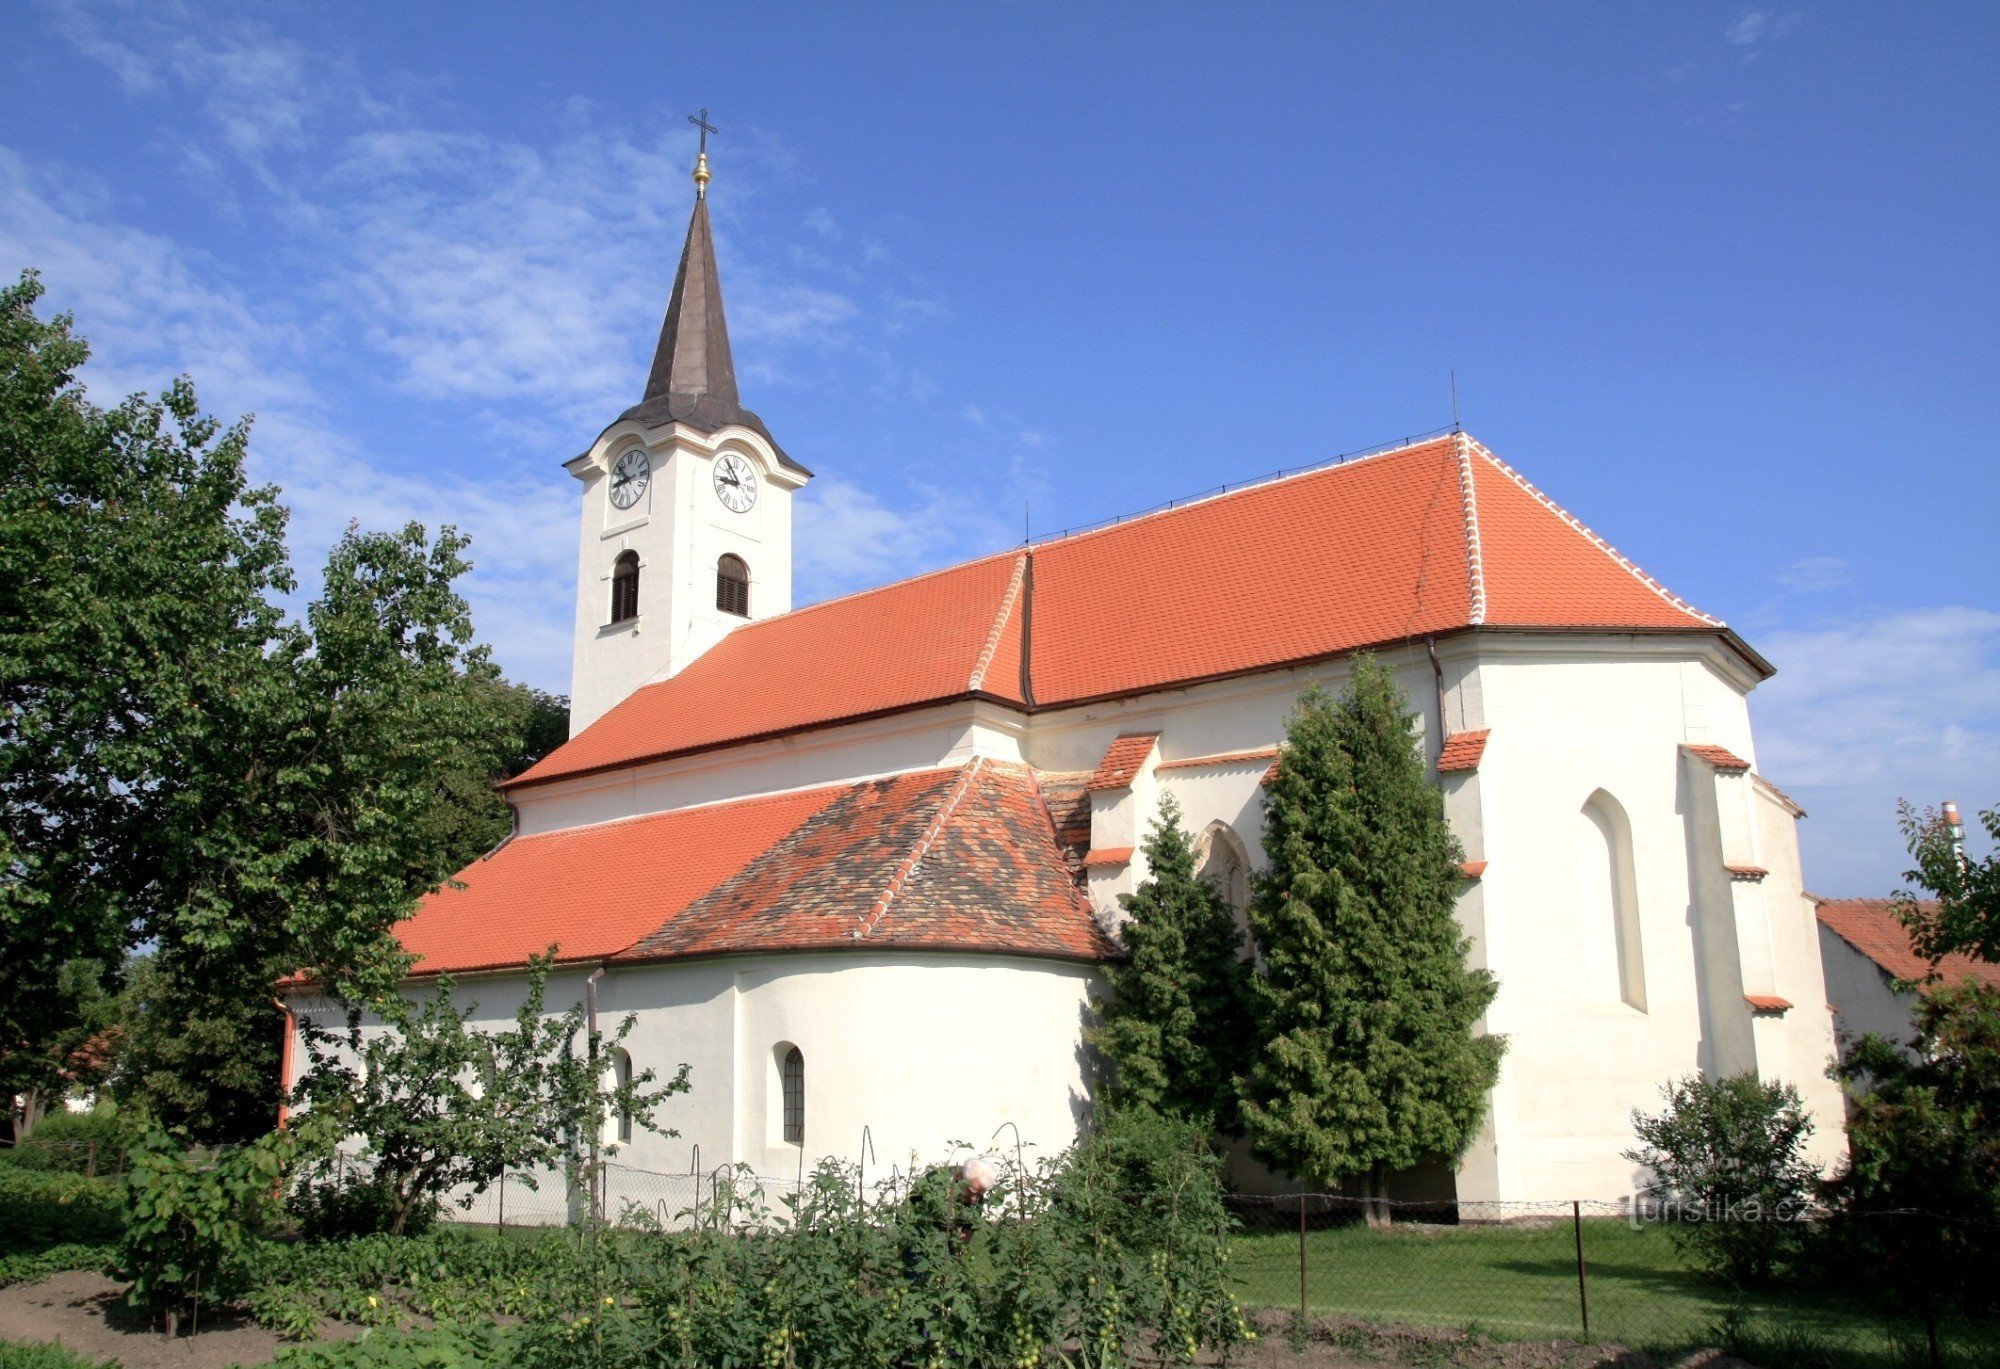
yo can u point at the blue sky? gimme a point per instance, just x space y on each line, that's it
1719 278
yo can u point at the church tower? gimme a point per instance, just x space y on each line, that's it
687 504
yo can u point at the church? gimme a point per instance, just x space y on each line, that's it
858 863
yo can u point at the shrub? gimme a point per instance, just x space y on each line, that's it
77 1142
330 1205
47 1355
43 1209
1728 1167
56 1259
445 1347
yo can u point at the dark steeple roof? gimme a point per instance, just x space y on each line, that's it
693 379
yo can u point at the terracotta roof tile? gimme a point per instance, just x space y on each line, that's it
962 858
1375 550
1747 874
1764 1002
1262 753
1870 926
1472 869
1462 751
1721 758
1108 855
1122 760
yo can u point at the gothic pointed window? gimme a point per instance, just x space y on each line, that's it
732 586
625 586
792 1084
1608 904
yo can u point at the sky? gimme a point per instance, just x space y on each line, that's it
1720 279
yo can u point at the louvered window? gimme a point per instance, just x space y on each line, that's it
625 586
732 586
792 1077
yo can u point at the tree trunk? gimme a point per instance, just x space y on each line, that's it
1377 1202
31 1113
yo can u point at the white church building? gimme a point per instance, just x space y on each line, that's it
858 863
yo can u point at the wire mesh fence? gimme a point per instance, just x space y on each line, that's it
1594 1272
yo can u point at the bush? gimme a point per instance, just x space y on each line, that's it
77 1142
1729 1173
56 1259
47 1355
42 1209
331 1206
439 1348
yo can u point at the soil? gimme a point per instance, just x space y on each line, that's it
86 1312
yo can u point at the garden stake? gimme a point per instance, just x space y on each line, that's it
1582 1290
503 1200
1302 1257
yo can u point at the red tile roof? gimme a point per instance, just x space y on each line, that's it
1108 855
1764 1002
1462 751
1747 874
1472 869
1433 537
1262 753
953 859
1122 760
1870 926
1721 758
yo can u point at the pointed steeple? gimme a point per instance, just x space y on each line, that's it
693 379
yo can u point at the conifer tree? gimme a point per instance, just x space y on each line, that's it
1175 1030
1366 1061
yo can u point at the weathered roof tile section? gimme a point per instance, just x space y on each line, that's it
954 859
1722 758
1306 568
1869 925
1122 760
1462 751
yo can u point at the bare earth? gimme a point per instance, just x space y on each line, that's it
86 1312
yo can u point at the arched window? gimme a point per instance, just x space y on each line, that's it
625 586
792 1085
1608 904
732 586
1226 866
621 1076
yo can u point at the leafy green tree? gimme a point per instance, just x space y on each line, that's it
137 575
1728 1169
442 1104
1175 1028
1367 1061
1918 1204
1966 917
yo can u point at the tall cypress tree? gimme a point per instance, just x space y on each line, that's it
1175 1028
1367 1061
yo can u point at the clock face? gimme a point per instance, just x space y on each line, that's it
629 475
735 483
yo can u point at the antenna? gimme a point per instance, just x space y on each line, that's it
1027 509
1455 424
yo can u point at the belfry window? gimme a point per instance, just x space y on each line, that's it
625 586
732 586
792 1083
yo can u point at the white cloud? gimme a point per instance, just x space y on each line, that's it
847 538
1862 713
1814 573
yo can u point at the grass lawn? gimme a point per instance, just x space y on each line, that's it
1518 1282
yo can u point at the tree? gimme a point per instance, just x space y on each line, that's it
1175 1027
443 1105
1918 1203
1367 1061
1966 918
184 764
1729 1170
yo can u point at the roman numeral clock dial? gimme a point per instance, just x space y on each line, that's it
629 475
735 483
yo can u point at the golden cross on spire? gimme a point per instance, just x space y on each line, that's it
701 122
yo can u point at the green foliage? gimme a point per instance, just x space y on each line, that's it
1175 1028
1966 920
192 1216
43 1355
443 1105
40 1210
55 1259
1918 1204
444 1347
1367 1060
77 1142
1727 1166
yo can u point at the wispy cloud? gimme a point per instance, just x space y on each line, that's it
1811 574
848 538
1877 708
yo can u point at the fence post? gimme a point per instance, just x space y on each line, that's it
1304 1313
90 1162
503 1200
1582 1287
